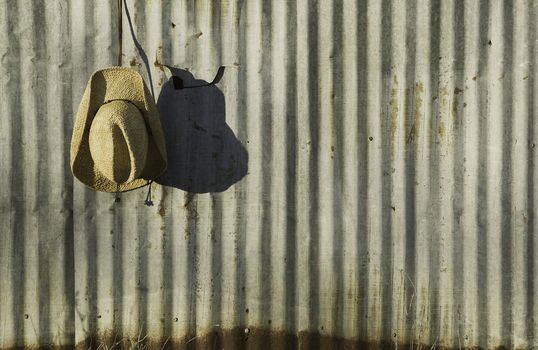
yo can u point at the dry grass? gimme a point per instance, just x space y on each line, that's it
138 343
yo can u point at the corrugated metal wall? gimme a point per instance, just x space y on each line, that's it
390 195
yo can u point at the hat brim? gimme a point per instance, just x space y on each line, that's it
116 83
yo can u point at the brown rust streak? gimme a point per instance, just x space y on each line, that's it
455 102
444 100
394 108
413 133
162 208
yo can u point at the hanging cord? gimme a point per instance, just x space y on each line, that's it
148 200
140 50
120 28
117 197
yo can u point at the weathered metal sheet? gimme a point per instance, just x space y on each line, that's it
390 196
36 241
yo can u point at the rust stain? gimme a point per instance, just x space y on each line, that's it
441 129
415 128
192 214
162 208
455 109
393 112
251 338
134 62
455 102
444 105
158 59
444 95
158 65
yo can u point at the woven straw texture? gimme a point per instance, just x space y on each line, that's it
117 134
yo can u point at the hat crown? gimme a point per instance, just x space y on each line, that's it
118 141
121 140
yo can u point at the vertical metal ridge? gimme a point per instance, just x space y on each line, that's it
254 195
482 204
390 106
7 156
509 202
81 31
395 103
37 181
42 124
374 220
277 169
457 109
361 228
494 172
418 138
117 269
411 130
66 190
265 135
519 169
348 151
291 282
470 181
143 288
337 156
192 267
226 43
532 107
324 169
166 212
312 194
215 240
434 174
446 137
242 123
303 79
14 251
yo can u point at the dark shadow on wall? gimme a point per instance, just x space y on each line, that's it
203 153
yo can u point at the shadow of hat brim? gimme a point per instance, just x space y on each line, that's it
204 155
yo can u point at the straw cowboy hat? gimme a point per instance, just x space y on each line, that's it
118 143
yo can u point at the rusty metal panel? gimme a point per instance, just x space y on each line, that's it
389 199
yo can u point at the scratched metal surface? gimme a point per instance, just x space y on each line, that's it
390 195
